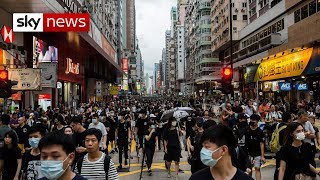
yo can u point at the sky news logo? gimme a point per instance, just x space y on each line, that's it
43 22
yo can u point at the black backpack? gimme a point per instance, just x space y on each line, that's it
106 164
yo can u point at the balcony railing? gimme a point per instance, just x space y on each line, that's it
252 4
252 18
264 10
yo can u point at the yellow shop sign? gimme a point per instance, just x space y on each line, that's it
286 66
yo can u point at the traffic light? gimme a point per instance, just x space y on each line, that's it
226 80
5 84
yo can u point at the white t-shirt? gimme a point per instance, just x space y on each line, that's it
102 128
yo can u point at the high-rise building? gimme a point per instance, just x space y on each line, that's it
180 46
156 77
167 59
200 61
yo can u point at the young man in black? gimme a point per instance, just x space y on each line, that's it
78 136
255 144
22 132
150 145
142 127
31 159
219 145
123 136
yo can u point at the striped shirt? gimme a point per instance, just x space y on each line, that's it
95 170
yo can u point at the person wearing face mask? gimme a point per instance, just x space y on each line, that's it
172 146
194 147
112 121
240 129
100 126
219 145
254 141
123 136
151 138
57 156
141 128
296 159
31 159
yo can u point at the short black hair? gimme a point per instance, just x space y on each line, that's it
220 135
37 128
57 138
255 117
77 119
208 124
5 118
93 131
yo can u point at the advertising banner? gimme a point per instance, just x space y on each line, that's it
42 52
48 75
285 86
114 90
250 73
283 67
28 79
314 66
302 87
44 101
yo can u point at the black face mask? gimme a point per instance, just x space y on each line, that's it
252 123
242 124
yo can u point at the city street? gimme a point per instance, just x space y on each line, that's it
159 170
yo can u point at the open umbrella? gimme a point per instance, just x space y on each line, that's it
178 113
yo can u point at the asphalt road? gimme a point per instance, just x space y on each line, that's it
159 170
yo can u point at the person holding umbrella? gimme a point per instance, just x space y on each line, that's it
172 145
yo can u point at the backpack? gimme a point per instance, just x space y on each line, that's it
106 164
274 143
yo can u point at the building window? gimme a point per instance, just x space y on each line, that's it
304 12
244 4
297 17
232 5
312 7
235 17
235 29
245 17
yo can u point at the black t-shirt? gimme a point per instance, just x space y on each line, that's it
253 140
77 177
10 162
78 139
172 137
142 125
22 134
297 159
123 129
237 109
31 166
196 143
152 141
205 174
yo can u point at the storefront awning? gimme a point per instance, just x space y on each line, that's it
207 78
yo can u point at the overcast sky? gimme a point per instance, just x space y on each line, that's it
153 19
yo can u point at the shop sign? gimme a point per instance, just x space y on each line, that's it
267 86
45 96
48 75
314 66
285 66
285 86
73 68
302 87
28 79
114 90
275 86
59 85
7 34
250 73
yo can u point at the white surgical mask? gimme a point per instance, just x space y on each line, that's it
300 136
174 123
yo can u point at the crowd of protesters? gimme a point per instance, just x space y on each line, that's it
228 140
